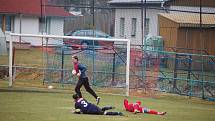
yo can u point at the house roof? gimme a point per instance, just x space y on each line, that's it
135 1
31 7
190 19
205 3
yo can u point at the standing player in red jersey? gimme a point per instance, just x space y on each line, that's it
137 108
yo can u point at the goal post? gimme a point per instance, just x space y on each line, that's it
14 35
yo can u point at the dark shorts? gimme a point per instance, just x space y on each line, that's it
95 110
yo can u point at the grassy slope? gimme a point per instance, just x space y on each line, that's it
39 106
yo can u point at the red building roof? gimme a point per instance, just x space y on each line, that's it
31 7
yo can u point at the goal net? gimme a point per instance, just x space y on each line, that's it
107 61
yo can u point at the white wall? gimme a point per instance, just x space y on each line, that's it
56 26
3 50
30 25
128 14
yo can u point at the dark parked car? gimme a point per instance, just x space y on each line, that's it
74 43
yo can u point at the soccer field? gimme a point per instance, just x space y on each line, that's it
45 105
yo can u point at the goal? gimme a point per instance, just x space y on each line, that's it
107 59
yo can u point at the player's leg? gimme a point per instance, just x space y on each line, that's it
149 111
90 90
107 108
126 104
93 109
78 87
113 113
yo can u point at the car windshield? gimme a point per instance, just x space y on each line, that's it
79 33
90 33
101 34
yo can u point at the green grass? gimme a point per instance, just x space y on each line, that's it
33 104
17 104
32 57
4 60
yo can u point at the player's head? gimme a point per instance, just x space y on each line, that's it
75 96
138 102
75 58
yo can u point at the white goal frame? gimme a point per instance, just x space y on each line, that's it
12 35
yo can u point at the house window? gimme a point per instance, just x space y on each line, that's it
48 25
41 24
122 27
44 25
8 22
133 26
147 26
1 21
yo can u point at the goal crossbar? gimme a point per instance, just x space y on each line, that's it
70 37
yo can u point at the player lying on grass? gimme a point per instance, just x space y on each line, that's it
137 108
83 106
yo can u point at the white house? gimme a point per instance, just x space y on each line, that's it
128 18
25 16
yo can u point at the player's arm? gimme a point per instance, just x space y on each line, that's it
77 109
76 106
82 68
